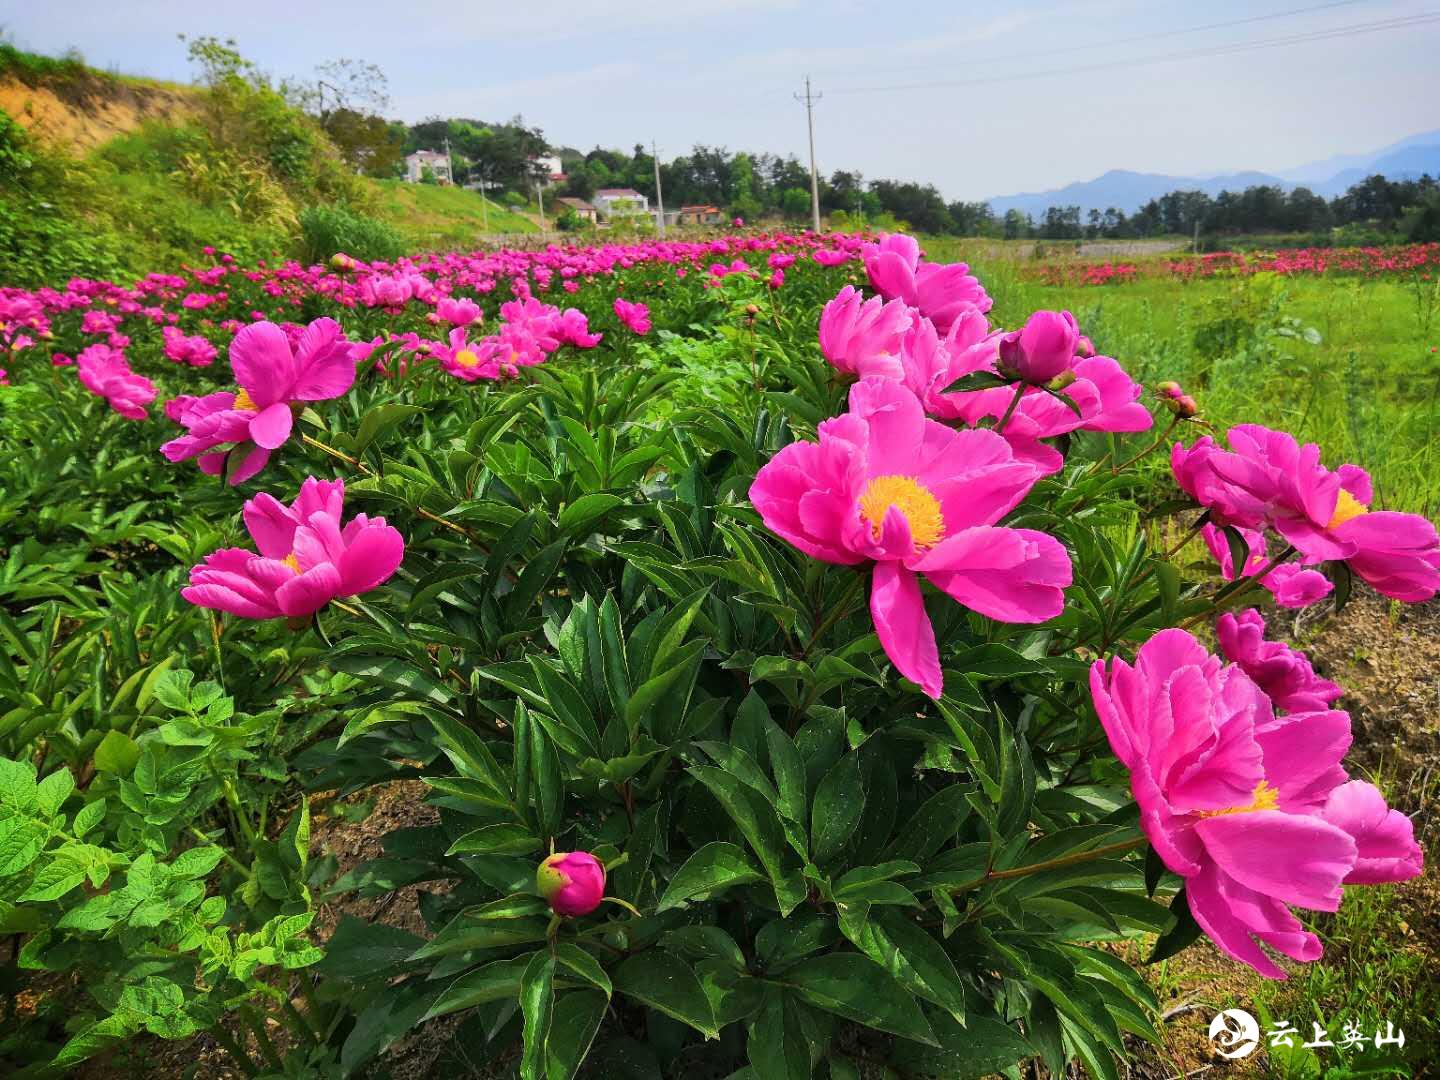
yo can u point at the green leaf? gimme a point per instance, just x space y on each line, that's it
378 420
839 804
579 962
468 752
576 1020
533 579
501 839
777 1047
981 1047
197 862
757 821
495 981
1182 933
537 1002
665 982
854 987
53 791
89 816
117 753
916 960
714 867
587 510
976 380
364 950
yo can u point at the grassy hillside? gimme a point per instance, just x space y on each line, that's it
442 217
109 176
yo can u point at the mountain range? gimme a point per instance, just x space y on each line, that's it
1128 191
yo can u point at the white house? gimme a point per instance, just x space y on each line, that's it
418 162
551 168
620 202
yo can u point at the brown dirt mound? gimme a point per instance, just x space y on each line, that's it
83 117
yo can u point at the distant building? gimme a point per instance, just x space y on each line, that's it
700 215
620 202
551 169
580 208
418 162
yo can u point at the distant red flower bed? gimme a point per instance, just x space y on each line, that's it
1312 261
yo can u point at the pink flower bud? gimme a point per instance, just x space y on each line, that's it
1042 350
573 882
1168 389
1183 406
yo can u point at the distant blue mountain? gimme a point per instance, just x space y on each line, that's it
1128 191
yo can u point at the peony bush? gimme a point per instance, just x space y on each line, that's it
803 673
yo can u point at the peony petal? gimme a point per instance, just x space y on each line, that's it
307 593
1012 575
263 365
905 631
371 557
1294 858
271 426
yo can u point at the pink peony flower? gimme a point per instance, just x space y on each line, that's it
1042 350
1292 585
1252 810
572 881
885 485
274 384
195 351
306 559
1268 477
1283 673
573 328
635 316
460 312
940 291
462 360
106 373
864 337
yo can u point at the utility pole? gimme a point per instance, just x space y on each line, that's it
449 164
659 195
540 202
809 99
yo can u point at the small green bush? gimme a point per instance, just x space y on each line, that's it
324 230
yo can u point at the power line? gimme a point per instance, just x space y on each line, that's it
1376 26
1087 47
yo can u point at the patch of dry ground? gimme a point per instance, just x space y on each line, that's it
81 124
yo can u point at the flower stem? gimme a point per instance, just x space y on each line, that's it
1050 864
1020 389
1116 470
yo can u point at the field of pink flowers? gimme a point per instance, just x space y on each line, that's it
801 670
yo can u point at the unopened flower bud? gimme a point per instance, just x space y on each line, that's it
1040 351
1084 347
752 310
572 881
1183 406
342 262
1168 389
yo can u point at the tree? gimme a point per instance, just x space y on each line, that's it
795 203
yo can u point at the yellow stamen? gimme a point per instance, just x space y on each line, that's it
1347 507
244 402
292 562
914 500
1265 798
467 359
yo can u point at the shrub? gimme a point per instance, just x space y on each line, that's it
325 230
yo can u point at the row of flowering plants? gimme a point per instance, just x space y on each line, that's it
1402 261
780 643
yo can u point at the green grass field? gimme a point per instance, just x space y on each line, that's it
432 217
1350 363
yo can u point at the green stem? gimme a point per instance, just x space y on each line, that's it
1049 864
234 862
838 612
1237 588
237 1053
1020 389
1118 469
257 1028
299 1024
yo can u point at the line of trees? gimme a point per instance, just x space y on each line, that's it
350 97
1408 207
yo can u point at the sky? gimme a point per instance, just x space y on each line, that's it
979 99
